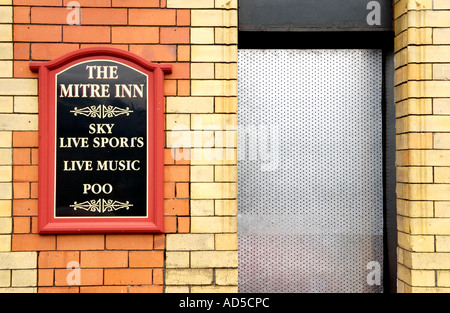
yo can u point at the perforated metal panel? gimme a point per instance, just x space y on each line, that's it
310 191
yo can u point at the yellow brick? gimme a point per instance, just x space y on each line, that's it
414 141
226 207
6 14
5 278
226 139
176 289
214 289
6 51
216 259
5 156
190 105
429 54
189 242
24 278
441 106
5 173
416 243
189 4
202 70
226 4
416 277
226 104
213 224
226 241
187 139
226 276
21 290
5 32
438 192
214 53
403 6
433 261
5 225
26 104
189 276
5 191
5 208
213 190
6 104
177 259
5 2
441 4
226 35
441 140
443 243
214 87
202 35
443 278
5 243
178 121
415 208
428 19
442 174
18 86
202 173
5 139
6 68
202 207
213 121
415 174
413 36
413 72
413 106
422 89
225 173
18 121
423 158
442 209
430 226
213 156
218 18
226 71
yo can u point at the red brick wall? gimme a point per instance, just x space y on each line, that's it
109 262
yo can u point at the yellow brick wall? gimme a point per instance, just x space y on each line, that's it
18 270
422 94
206 259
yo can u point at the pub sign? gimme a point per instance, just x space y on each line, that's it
101 143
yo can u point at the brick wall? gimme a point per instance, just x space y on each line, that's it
199 249
422 92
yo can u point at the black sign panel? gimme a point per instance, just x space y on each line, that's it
101 141
315 15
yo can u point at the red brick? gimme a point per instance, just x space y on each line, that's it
34 192
158 276
180 71
21 190
170 87
87 45
40 15
26 207
57 259
34 224
91 3
184 53
128 276
172 35
34 156
21 51
22 15
22 225
25 139
81 242
104 289
146 289
169 190
86 34
22 156
136 3
156 53
50 51
184 88
89 277
184 224
159 242
168 156
37 33
170 224
182 156
176 173
129 34
104 259
45 277
176 207
163 3
22 70
33 242
50 3
58 289
155 17
182 190
91 16
183 17
27 173
146 258
129 241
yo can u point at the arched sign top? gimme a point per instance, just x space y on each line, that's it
101 143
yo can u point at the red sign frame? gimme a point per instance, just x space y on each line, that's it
154 221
